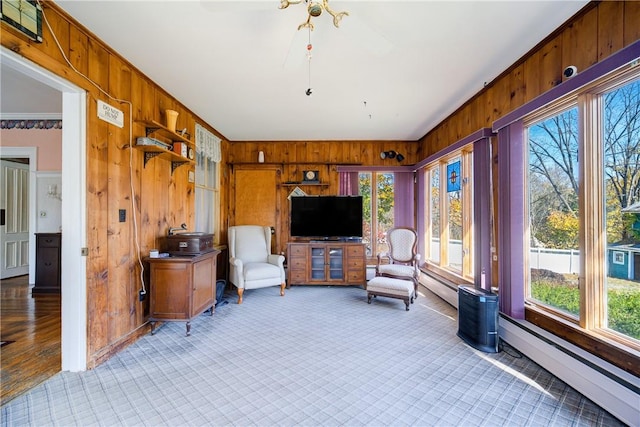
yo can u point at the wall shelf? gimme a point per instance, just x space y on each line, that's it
296 163
152 151
151 126
295 184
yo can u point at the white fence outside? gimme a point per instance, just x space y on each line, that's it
564 261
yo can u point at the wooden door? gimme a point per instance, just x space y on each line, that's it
255 198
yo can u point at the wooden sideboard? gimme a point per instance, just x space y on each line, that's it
326 263
48 263
181 288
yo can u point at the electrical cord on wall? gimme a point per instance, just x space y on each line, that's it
130 146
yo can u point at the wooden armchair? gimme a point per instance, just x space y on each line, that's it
402 257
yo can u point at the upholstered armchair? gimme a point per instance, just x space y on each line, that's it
251 264
403 259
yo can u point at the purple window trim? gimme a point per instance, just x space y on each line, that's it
619 59
511 211
481 140
344 168
476 136
403 200
482 199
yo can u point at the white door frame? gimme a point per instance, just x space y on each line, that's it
74 220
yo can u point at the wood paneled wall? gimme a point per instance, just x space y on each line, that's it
160 198
597 31
294 157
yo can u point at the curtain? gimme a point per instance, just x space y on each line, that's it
348 183
208 144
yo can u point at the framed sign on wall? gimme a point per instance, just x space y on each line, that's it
23 15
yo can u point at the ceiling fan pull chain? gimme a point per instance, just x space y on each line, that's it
309 48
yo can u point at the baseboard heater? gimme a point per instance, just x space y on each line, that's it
478 318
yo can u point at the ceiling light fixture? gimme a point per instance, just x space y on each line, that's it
314 9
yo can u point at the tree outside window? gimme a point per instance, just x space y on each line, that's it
380 201
554 186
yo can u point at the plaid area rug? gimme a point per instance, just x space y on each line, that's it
319 356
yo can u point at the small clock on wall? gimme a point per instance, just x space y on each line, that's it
310 176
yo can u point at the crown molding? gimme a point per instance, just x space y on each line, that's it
30 116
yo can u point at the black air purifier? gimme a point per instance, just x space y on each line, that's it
478 318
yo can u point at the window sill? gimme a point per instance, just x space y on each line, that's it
445 276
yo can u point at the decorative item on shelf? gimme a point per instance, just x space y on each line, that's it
391 155
180 148
310 176
172 118
261 157
296 192
52 192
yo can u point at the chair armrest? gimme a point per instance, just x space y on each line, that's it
380 256
236 272
276 260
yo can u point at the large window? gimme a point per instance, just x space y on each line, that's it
554 212
207 181
584 209
448 216
377 191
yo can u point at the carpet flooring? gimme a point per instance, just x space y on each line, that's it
319 356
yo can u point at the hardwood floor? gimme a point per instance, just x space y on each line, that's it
31 330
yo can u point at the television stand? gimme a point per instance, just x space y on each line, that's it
325 262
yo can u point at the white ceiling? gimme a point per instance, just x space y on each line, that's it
392 71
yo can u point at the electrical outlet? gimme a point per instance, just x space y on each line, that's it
122 215
141 295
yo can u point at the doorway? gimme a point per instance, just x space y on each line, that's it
73 265
15 226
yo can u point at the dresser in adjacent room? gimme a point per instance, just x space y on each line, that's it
48 259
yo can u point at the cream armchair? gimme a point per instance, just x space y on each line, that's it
251 264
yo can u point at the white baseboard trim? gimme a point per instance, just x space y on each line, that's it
608 386
613 389
444 291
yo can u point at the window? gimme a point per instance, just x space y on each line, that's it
583 186
433 177
554 212
377 191
207 181
448 216
620 114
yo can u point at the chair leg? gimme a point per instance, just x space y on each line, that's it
240 293
282 289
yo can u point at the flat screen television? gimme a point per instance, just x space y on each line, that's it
326 217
